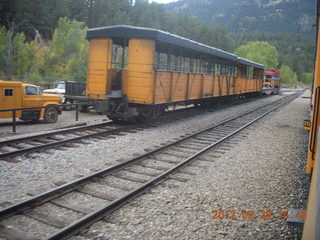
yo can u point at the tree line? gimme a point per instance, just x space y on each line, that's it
44 40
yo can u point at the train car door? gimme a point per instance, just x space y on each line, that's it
119 67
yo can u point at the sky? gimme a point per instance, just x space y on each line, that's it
163 1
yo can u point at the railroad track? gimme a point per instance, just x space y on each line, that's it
113 187
41 142
10 149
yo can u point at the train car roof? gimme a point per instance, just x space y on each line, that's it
251 63
125 31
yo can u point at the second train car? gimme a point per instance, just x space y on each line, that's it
136 72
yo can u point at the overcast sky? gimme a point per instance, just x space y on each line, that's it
163 1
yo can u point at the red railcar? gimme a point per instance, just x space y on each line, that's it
271 84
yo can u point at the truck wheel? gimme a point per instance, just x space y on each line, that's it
51 115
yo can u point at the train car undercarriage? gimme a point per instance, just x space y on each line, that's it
118 109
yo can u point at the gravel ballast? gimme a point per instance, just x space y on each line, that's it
235 180
40 173
265 171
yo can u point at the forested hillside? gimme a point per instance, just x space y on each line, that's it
42 16
295 16
35 46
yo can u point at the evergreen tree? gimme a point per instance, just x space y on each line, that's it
16 55
66 55
288 77
33 56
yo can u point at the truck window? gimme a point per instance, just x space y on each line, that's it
61 86
8 92
31 91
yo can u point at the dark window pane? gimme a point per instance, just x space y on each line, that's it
8 92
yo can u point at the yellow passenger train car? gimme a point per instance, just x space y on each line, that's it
136 72
311 230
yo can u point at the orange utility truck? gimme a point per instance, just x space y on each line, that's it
22 95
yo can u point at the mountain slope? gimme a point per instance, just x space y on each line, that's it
252 15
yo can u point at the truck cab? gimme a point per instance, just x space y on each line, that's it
22 95
59 90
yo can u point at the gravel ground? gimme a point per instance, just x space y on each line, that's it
43 170
66 119
263 172
183 210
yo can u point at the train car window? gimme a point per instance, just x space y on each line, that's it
213 67
183 62
196 65
260 73
222 70
240 72
198 62
172 62
210 67
161 61
169 62
8 92
178 63
119 56
191 65
249 72
163 64
226 70
199 68
205 66
202 66
217 69
230 70
187 64
156 60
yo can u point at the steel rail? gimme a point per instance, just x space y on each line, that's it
64 131
75 129
109 208
76 184
58 143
